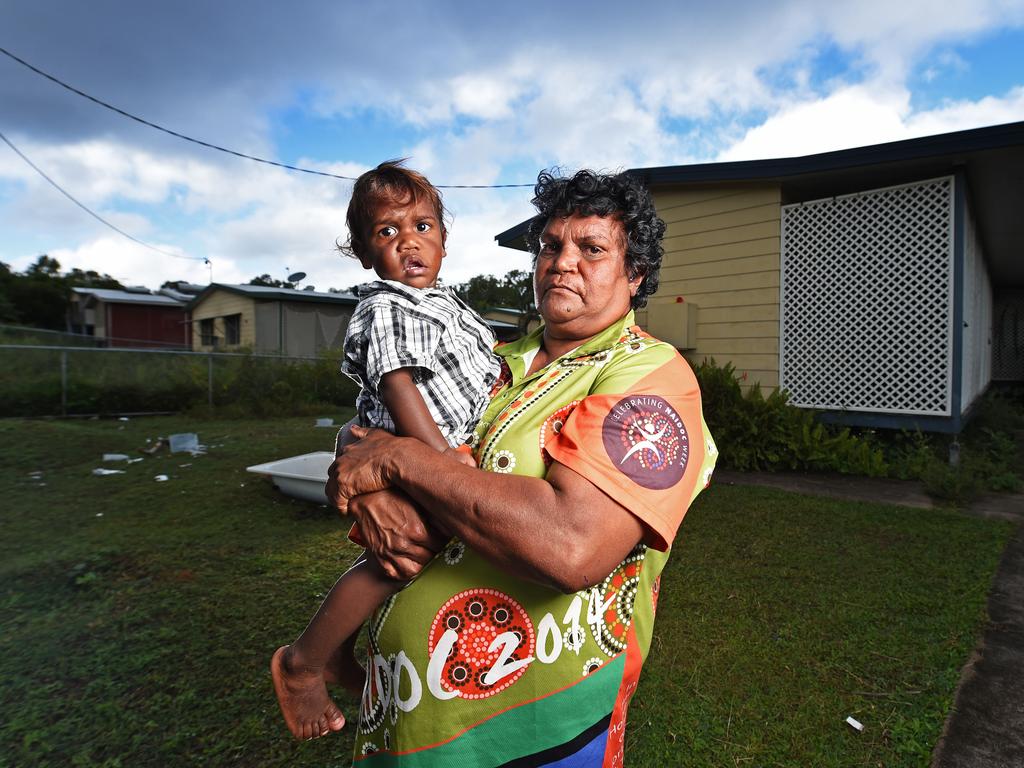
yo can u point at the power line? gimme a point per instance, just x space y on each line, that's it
96 216
208 145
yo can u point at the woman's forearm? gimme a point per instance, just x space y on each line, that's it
561 531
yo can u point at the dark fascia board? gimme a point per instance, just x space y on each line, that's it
959 142
274 295
779 169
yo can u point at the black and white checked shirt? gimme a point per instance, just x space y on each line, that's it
433 332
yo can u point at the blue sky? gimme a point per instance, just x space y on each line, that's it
471 95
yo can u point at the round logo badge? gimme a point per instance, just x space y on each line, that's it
646 439
479 617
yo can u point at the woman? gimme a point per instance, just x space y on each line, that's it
523 640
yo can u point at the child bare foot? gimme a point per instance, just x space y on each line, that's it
302 695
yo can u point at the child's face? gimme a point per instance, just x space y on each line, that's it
405 243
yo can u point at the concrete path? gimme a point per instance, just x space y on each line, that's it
985 728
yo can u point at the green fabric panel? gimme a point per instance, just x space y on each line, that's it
523 730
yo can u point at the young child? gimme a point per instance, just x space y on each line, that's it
424 361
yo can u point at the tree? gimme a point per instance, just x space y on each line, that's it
514 290
270 282
8 312
90 278
41 296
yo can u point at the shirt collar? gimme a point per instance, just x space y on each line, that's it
604 340
416 295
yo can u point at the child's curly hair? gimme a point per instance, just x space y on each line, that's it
596 194
388 182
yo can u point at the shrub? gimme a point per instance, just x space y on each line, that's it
758 432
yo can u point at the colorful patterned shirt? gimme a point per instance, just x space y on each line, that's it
470 666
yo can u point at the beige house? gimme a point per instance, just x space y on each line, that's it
882 285
506 322
269 320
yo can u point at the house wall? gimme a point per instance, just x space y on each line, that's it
977 313
1008 332
268 327
722 255
310 328
141 325
218 305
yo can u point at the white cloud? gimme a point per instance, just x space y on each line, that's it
475 94
128 262
863 115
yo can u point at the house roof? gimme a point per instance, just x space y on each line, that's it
112 296
991 158
268 293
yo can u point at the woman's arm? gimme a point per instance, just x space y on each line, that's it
561 531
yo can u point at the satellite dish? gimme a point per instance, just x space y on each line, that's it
295 277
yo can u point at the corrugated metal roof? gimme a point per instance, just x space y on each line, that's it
113 296
278 294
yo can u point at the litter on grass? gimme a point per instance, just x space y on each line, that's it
154 446
100 471
325 422
186 442
855 724
115 457
161 478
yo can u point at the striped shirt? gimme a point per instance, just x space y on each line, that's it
433 332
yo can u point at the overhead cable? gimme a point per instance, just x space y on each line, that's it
96 216
208 145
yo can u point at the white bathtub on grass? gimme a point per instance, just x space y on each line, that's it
301 477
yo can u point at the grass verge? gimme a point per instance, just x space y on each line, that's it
137 617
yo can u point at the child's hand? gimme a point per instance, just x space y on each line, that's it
464 456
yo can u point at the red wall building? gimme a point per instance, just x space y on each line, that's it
130 319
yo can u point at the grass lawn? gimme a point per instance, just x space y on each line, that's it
137 617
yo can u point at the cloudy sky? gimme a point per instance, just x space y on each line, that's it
470 94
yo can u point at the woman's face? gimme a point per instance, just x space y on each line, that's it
580 280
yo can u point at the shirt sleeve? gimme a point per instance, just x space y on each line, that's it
640 437
395 336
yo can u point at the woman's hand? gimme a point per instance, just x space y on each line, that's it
362 466
393 530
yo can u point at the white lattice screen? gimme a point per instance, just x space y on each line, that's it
867 300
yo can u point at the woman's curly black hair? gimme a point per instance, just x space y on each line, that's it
596 194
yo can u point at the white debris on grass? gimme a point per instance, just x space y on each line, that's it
115 457
325 422
186 442
100 471
161 478
854 723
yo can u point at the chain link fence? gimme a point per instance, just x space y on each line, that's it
43 380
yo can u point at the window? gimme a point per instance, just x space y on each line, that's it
233 330
207 339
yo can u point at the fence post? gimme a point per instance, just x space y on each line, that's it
209 379
63 382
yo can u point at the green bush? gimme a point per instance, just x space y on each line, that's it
758 432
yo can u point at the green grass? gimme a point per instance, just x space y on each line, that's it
141 637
